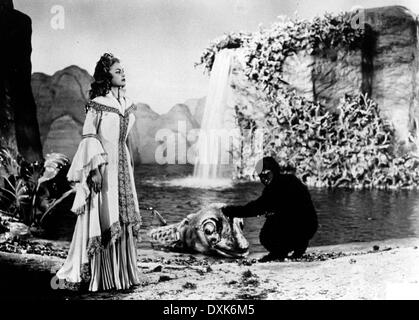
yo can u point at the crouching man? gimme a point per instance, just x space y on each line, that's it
291 219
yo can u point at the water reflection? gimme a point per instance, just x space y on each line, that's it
348 216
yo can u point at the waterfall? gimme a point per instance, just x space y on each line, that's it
213 161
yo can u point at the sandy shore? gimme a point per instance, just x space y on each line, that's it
375 270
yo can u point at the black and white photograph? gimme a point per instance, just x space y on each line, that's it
228 152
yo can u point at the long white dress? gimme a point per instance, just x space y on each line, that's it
103 248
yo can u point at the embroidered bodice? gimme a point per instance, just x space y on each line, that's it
98 107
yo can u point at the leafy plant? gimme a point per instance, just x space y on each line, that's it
8 163
55 203
19 192
15 193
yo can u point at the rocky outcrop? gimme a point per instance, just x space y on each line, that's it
64 136
395 64
326 77
386 67
336 74
18 122
61 99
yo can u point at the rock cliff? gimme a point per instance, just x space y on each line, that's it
386 67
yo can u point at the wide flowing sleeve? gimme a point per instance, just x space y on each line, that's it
89 156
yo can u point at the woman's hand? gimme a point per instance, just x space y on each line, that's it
95 180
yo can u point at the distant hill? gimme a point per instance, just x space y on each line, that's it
149 123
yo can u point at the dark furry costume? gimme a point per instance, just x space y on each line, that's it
291 219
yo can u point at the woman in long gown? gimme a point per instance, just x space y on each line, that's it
103 252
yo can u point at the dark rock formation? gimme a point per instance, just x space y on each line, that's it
18 122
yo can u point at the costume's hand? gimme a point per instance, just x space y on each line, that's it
95 181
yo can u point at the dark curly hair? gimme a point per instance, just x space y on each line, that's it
102 84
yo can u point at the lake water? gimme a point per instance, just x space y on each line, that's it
344 215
